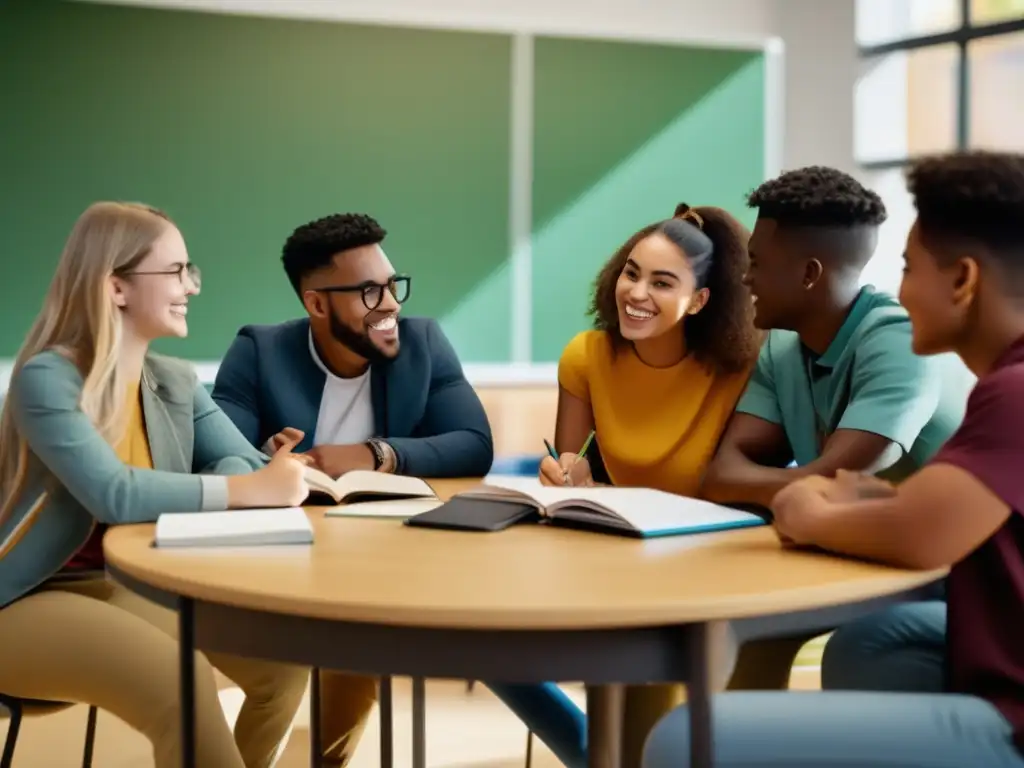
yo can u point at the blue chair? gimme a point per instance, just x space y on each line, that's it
523 466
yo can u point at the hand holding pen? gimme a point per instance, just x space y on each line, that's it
569 469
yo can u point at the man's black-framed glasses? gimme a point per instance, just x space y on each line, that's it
190 269
372 293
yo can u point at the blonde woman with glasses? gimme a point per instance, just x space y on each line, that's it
98 431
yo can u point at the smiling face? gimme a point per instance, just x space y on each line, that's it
655 290
936 295
153 294
360 278
776 277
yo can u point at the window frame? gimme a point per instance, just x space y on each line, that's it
962 37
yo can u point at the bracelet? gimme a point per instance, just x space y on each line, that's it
384 458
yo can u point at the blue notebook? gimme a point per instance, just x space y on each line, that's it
637 512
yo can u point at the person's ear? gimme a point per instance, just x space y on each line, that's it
698 301
966 281
116 287
813 270
316 303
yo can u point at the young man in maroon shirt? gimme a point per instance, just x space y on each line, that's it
963 288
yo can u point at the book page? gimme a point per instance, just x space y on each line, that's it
243 526
360 481
649 510
320 482
507 487
399 509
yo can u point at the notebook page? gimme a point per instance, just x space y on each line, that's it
381 482
507 487
650 511
400 509
256 526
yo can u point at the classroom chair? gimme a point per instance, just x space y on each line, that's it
18 708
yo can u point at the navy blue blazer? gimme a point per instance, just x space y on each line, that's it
422 403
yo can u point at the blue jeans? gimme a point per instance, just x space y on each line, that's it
910 637
553 717
901 649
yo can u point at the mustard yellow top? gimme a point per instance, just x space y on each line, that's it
134 446
656 427
132 450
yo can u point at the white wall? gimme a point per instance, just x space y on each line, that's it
737 20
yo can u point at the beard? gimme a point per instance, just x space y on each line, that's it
358 341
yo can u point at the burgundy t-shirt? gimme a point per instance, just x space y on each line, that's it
985 590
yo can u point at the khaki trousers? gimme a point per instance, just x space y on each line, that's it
95 642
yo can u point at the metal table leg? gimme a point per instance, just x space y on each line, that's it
698 696
604 725
419 723
316 742
387 724
187 672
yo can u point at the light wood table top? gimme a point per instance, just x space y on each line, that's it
527 577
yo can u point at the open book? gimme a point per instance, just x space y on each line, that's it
237 528
364 485
638 512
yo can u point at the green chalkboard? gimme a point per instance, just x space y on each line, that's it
623 132
242 129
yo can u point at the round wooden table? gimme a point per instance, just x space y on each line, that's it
530 604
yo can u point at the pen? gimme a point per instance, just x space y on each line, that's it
551 449
586 445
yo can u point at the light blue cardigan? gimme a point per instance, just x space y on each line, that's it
76 479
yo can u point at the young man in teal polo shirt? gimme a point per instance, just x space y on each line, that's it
837 385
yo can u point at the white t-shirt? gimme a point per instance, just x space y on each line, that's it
346 407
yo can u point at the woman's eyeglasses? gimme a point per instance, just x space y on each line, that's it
180 270
372 293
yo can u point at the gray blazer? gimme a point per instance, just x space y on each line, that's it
76 479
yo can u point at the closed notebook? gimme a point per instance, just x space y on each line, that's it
636 512
241 528
364 485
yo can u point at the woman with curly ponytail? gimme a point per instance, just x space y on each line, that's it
657 380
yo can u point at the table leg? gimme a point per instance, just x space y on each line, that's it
604 725
698 696
316 743
387 724
419 723
187 672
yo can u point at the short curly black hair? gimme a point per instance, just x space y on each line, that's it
817 196
971 199
313 245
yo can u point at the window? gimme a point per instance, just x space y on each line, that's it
882 21
996 114
938 75
995 11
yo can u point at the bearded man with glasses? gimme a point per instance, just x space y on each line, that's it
365 388
361 388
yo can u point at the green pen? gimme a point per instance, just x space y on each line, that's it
586 445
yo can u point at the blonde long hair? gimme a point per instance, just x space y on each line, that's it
80 321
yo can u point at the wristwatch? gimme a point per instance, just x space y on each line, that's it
380 454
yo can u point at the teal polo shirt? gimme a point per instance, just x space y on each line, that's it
868 379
